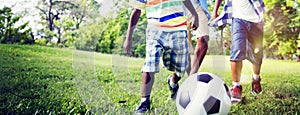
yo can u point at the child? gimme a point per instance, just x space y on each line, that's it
202 35
246 17
166 32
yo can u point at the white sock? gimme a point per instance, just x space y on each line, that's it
255 76
236 83
144 99
172 84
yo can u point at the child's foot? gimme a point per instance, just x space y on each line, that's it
236 94
256 87
144 106
173 89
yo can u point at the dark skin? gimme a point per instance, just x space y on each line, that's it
200 52
135 15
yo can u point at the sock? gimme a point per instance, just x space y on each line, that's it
143 99
172 84
236 83
255 76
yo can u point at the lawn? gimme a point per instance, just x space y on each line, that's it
44 80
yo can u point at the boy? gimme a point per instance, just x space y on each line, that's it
166 32
202 35
247 39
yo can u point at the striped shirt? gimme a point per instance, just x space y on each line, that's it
226 15
163 14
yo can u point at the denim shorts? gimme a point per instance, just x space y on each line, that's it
158 41
247 41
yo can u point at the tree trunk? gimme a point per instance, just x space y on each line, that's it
59 36
50 19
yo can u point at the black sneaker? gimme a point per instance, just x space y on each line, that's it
173 90
144 106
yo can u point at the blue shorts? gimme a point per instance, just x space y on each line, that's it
247 41
158 41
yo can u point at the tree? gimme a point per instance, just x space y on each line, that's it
54 10
115 30
219 36
10 32
282 23
114 33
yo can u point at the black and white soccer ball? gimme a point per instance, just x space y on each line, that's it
201 94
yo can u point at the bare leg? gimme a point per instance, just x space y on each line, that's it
200 52
236 68
175 78
147 83
256 69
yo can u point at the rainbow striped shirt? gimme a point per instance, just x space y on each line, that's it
163 14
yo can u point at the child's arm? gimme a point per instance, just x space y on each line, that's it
191 8
216 8
134 18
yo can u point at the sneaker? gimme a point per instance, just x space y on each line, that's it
173 90
256 87
236 94
144 106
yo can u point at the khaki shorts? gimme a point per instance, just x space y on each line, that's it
202 29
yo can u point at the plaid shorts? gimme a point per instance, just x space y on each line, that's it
174 47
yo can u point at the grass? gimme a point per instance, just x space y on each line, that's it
45 80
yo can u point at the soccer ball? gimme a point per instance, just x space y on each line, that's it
203 93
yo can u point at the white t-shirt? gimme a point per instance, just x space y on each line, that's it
242 9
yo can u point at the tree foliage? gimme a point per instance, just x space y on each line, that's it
113 36
55 12
282 28
12 33
80 23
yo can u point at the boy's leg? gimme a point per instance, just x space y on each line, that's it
256 69
236 69
237 55
147 84
200 52
256 87
179 57
202 33
256 54
151 66
173 80
236 88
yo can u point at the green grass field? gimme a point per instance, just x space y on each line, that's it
43 80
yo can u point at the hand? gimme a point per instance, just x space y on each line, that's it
127 47
195 23
215 15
